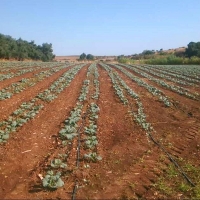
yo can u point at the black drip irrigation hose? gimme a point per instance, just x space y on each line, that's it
168 155
172 160
74 190
78 154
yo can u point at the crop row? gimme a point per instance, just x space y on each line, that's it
161 75
119 85
36 104
192 71
139 114
58 166
177 76
7 66
19 73
23 114
178 89
24 83
153 90
59 85
90 130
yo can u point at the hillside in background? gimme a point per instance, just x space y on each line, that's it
181 55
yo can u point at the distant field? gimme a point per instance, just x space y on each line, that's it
99 131
75 58
66 58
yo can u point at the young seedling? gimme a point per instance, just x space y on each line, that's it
52 181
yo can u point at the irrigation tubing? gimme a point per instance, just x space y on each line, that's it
78 152
169 156
74 190
172 160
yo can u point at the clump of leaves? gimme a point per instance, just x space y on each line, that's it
91 130
4 136
52 181
91 142
68 132
92 157
57 163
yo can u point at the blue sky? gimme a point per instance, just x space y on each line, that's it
102 27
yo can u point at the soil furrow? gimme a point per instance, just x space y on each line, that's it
9 105
34 140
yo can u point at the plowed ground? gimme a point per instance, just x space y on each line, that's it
132 166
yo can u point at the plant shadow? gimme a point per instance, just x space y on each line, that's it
39 188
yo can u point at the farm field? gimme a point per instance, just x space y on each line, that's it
99 131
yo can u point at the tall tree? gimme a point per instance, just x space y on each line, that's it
82 56
193 49
90 57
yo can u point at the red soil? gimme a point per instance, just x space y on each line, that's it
36 136
27 95
131 163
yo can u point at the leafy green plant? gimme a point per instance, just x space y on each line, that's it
91 130
4 136
52 181
68 133
91 142
92 157
57 163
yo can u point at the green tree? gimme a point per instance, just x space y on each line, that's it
148 52
21 49
82 56
90 57
193 49
47 52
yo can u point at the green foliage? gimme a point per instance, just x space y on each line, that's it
90 57
82 56
172 60
11 48
91 142
52 181
192 61
68 132
91 130
92 157
193 49
183 187
125 60
57 163
162 186
148 52
172 171
190 56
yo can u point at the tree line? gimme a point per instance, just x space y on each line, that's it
19 49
